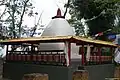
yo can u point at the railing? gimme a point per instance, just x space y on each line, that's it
54 57
99 60
97 55
96 59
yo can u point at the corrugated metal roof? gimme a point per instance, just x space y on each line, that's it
94 41
43 38
57 38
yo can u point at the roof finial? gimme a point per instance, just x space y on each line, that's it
58 14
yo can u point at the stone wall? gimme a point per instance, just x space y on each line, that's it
35 76
117 72
80 75
16 71
100 72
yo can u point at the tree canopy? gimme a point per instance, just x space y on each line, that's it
12 17
99 15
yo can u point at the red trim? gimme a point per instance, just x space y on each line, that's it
83 59
58 14
112 53
99 53
69 52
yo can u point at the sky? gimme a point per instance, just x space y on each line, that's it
48 8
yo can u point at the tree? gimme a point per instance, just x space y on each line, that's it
3 31
99 15
66 10
13 15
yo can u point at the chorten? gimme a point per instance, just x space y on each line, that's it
59 26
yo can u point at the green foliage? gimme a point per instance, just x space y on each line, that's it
100 15
79 28
13 15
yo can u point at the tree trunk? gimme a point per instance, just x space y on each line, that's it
67 5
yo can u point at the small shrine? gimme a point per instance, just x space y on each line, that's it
58 53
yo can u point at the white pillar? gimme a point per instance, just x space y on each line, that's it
67 52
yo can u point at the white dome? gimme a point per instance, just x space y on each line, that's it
58 27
